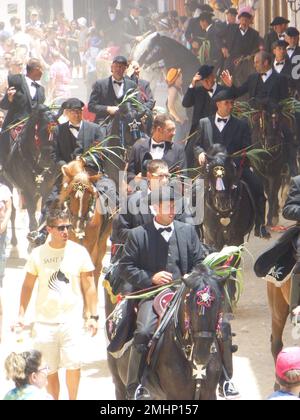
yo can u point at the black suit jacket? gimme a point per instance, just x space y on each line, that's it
276 87
270 37
103 95
236 136
239 45
22 105
203 104
131 30
174 155
141 256
291 210
137 213
66 148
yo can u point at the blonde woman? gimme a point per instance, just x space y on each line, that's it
175 96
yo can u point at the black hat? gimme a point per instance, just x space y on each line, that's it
206 16
165 193
121 60
205 71
292 31
145 163
279 43
226 94
246 15
279 20
206 8
232 11
73 103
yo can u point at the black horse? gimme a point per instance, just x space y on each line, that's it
189 350
158 47
271 133
228 208
29 167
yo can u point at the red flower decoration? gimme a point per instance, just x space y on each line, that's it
205 298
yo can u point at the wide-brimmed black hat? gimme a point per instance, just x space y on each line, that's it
164 194
226 94
292 31
206 8
73 103
205 71
232 11
279 20
120 59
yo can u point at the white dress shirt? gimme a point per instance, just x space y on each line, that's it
279 67
157 152
119 89
290 51
166 235
243 32
214 88
267 75
32 89
221 124
74 131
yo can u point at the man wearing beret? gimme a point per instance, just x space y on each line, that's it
223 128
200 96
293 49
107 94
279 26
156 254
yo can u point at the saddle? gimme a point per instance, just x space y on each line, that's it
121 324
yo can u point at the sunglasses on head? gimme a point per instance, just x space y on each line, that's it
62 227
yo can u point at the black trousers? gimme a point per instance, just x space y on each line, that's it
146 325
257 190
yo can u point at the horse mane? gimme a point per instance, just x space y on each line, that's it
203 275
81 177
217 149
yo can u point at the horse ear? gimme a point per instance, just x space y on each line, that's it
94 178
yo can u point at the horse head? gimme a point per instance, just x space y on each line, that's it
79 195
130 117
153 53
203 314
222 179
267 123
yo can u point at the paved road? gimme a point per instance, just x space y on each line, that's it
253 362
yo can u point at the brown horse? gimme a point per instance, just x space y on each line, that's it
91 226
279 300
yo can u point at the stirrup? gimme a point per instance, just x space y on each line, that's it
229 391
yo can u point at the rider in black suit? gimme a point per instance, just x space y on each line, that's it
22 97
155 254
267 87
223 128
134 26
279 26
200 96
160 146
108 93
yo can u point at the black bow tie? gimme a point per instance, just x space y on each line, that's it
162 230
290 49
224 120
118 83
75 128
34 84
210 90
281 63
161 146
263 74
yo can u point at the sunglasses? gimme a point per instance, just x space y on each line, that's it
62 227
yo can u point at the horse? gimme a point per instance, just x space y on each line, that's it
90 226
269 126
29 166
156 47
91 219
189 350
228 207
